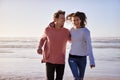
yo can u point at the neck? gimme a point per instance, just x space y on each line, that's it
58 26
77 27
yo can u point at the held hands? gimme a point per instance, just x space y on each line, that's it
92 66
39 51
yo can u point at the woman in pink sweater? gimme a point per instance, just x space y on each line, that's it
54 42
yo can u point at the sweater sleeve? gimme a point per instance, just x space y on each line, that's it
42 41
89 47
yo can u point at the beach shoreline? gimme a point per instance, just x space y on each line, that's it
19 61
19 77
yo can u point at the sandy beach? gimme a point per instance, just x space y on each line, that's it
19 61
13 77
32 69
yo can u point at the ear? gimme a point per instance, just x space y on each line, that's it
55 19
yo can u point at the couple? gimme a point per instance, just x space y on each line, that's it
54 42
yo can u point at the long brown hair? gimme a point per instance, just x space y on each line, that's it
81 15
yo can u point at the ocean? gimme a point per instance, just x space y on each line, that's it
18 57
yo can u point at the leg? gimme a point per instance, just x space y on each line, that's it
60 71
74 67
81 78
50 69
82 65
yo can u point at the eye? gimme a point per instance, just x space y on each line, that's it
76 20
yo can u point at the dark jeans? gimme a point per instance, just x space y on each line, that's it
77 65
51 68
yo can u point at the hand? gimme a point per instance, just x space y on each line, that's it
92 66
39 51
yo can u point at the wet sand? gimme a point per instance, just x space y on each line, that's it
13 77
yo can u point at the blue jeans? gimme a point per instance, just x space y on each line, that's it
77 65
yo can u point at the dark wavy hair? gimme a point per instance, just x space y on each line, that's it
81 15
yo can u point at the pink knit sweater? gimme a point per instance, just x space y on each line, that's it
54 42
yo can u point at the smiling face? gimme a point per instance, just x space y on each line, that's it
76 21
60 20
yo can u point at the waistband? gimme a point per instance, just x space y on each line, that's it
76 56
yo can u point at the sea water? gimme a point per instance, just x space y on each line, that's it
18 56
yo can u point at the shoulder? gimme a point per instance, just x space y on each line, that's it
67 32
47 28
86 30
72 29
65 29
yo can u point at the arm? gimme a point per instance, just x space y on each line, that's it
41 43
89 49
